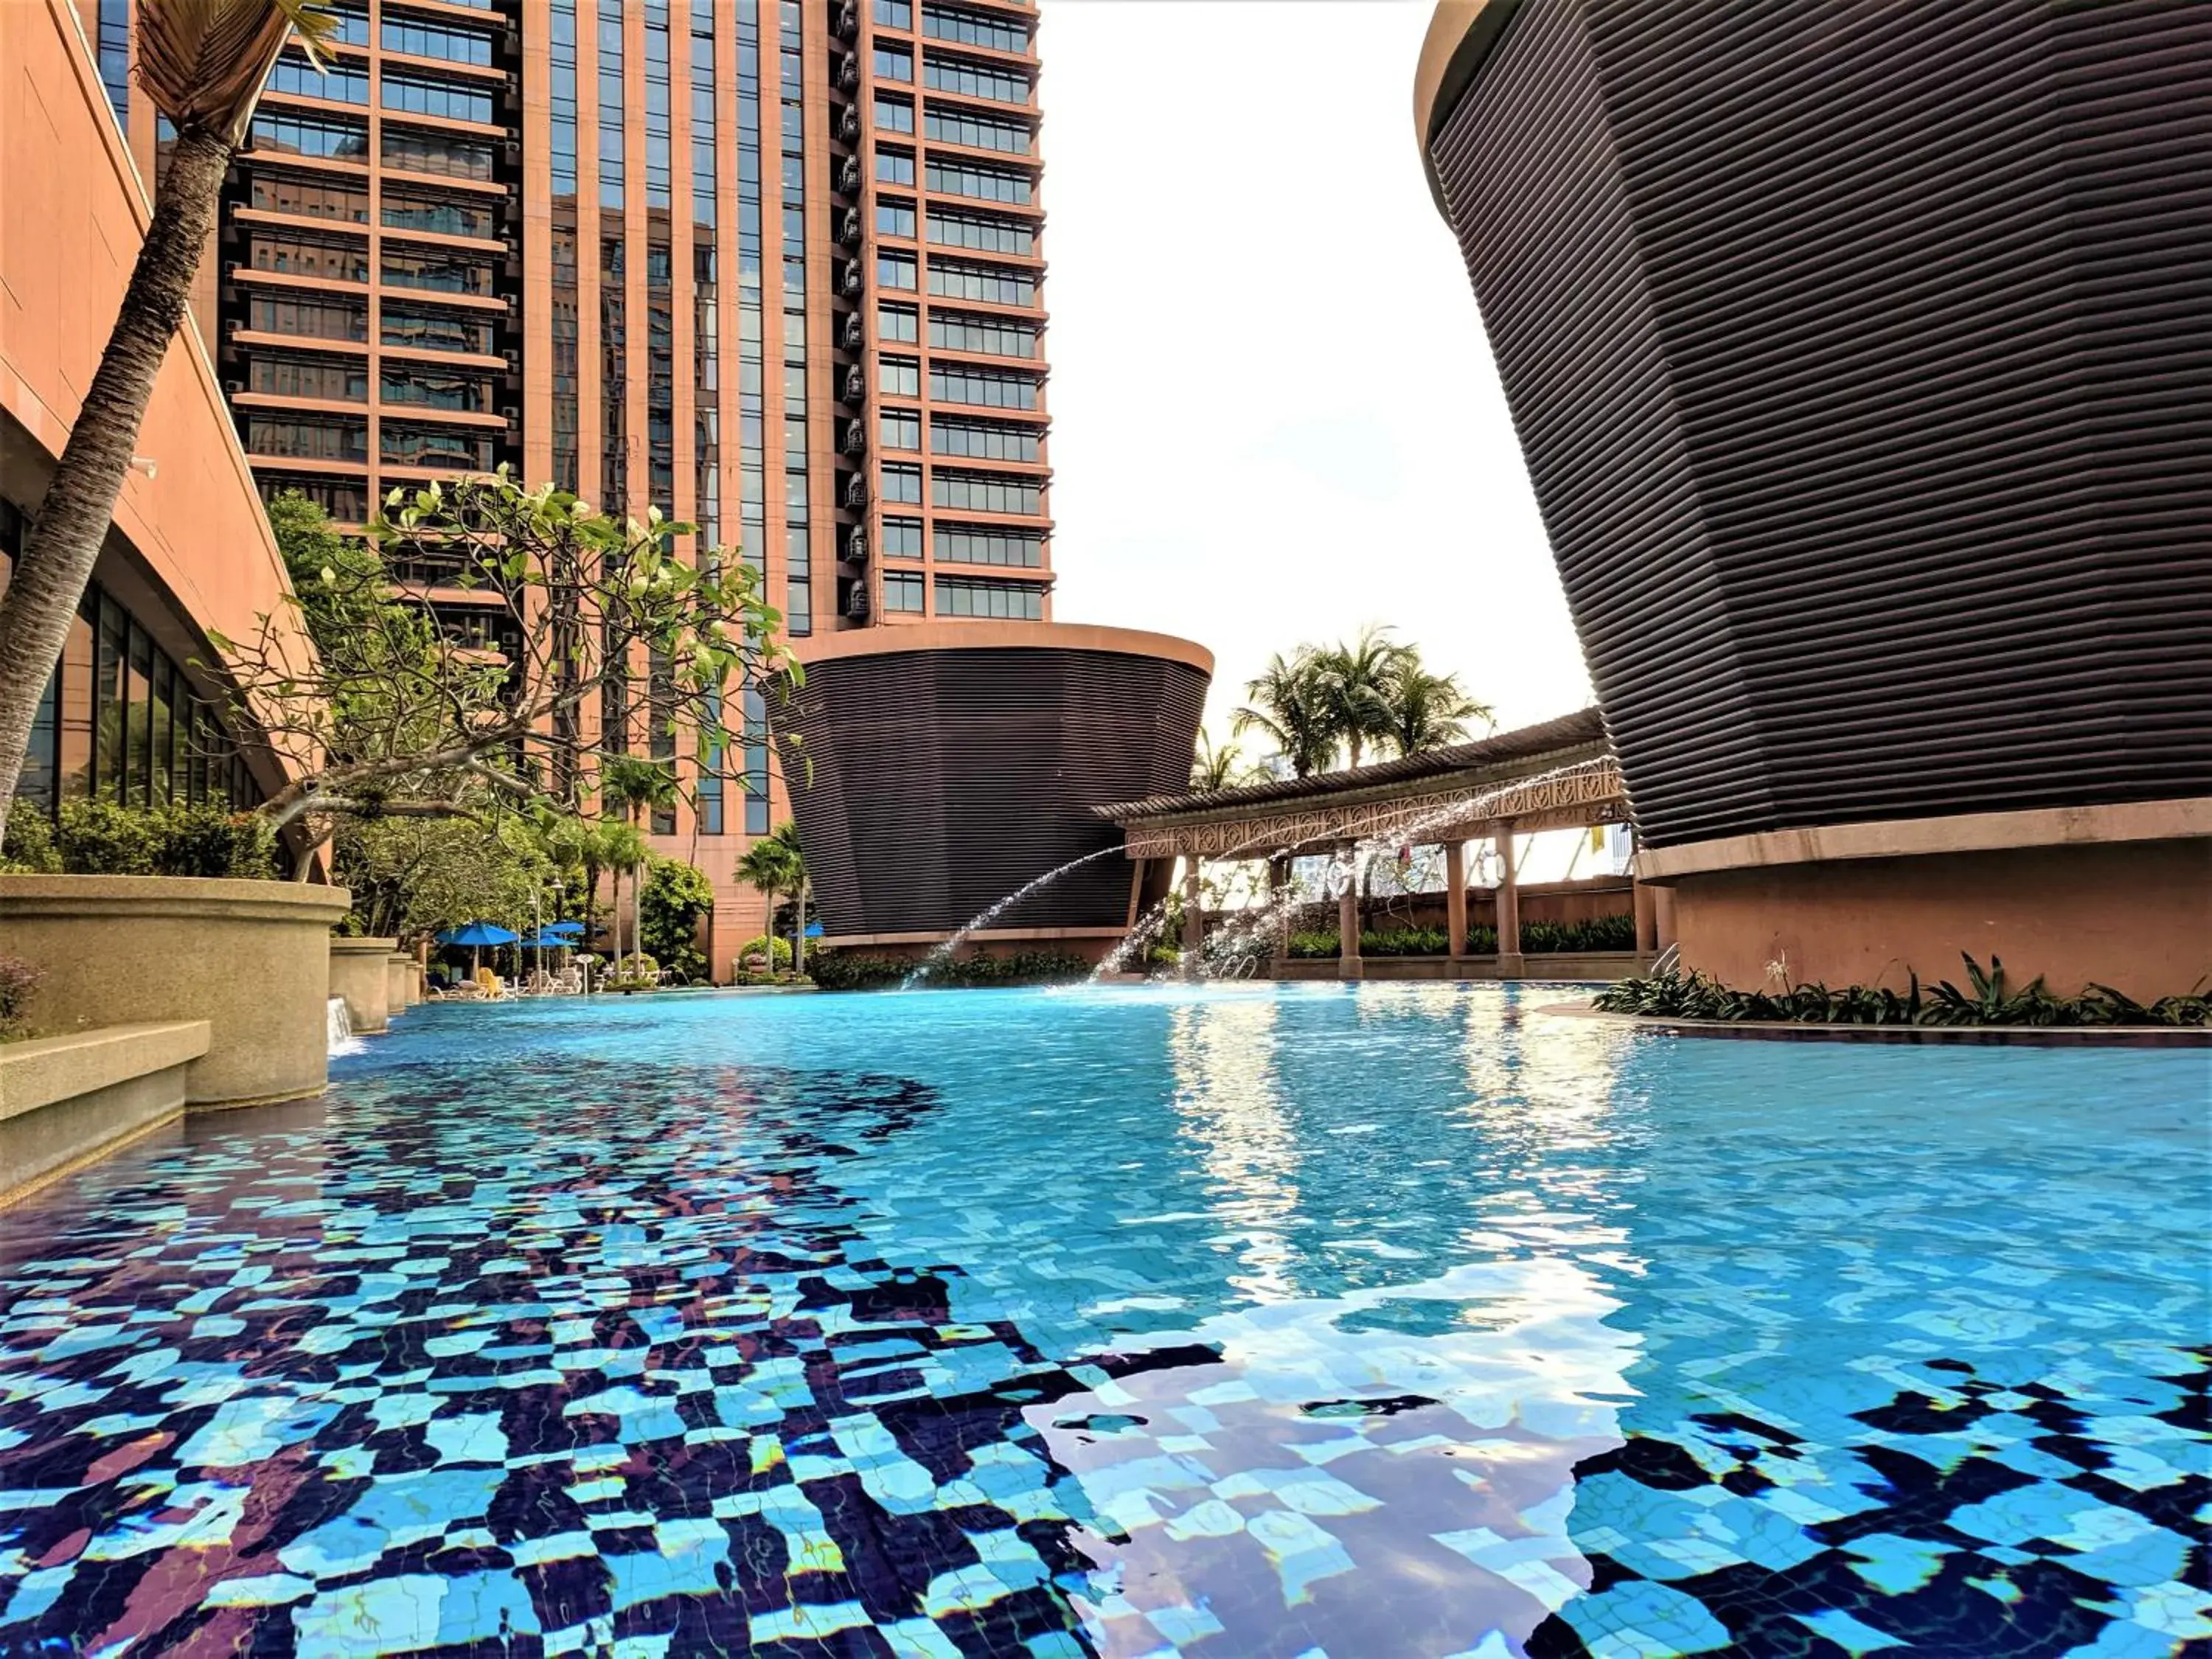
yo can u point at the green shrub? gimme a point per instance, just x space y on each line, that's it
100 837
1986 1001
840 971
18 978
209 840
1537 939
30 848
776 952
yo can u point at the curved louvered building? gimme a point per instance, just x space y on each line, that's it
948 764
1862 357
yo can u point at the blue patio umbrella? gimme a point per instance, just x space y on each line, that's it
476 935
550 940
573 929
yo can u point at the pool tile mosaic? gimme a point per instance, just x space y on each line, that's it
1224 1324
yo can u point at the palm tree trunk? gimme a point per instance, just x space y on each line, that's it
637 910
799 937
614 911
767 930
58 554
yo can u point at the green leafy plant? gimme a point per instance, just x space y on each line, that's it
675 898
840 971
209 840
775 952
1602 933
27 847
1987 1001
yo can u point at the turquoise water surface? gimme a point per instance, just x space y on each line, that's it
1395 1320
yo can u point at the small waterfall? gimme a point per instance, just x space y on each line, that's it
944 953
337 1029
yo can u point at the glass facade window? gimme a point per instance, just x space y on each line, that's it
309 199
308 256
445 153
283 375
660 374
612 96
959 596
441 40
901 324
988 81
902 484
894 64
434 388
895 219
349 24
567 399
898 428
453 100
894 14
894 114
657 105
901 377
971 28
992 336
901 539
322 320
307 438
898 270
341 82
982 183
446 215
435 331
614 380
113 46
798 532
894 166
436 446
322 136
980 132
346 500
967 543
985 440
447 273
903 592
984 388
981 231
985 492
953 279
561 95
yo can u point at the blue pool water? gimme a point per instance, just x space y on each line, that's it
1402 1320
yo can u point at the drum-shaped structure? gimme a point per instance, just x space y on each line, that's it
1862 357
944 766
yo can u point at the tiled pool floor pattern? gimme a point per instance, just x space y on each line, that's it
1132 1328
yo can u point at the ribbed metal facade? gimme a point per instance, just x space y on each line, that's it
944 780
1862 354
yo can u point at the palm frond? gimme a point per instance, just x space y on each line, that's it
204 62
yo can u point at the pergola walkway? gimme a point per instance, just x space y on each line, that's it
1560 774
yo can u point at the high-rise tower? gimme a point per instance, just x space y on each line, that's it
773 267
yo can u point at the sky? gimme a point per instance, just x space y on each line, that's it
1274 414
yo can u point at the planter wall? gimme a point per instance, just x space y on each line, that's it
360 972
253 958
403 984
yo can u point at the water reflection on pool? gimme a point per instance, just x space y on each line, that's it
1240 1321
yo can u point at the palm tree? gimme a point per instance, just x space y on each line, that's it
202 64
623 847
1354 681
634 786
786 837
1428 711
1286 707
766 867
1213 768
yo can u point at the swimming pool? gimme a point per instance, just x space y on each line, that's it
1394 1321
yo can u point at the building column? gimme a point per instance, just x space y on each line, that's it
1348 965
1193 916
1455 898
1646 901
1508 904
1279 888
1136 892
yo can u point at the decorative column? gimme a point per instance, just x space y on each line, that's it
1455 898
1646 901
1193 916
1137 867
1278 890
1348 965
1508 904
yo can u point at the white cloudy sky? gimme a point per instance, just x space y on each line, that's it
1274 414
